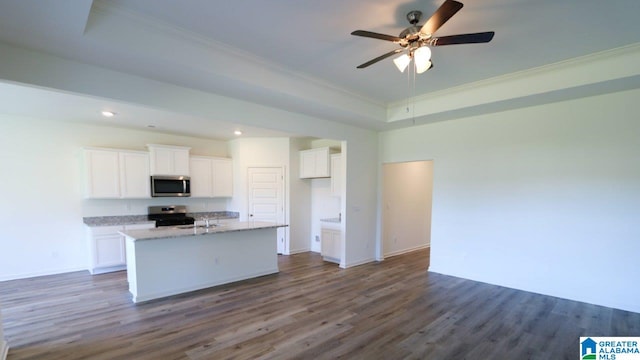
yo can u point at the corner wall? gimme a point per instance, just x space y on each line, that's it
42 229
406 206
543 199
359 206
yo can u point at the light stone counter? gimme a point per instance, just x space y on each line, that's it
168 261
191 230
331 220
94 221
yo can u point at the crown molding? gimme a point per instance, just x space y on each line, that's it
582 71
108 9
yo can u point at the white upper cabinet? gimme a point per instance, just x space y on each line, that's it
211 177
201 176
336 175
102 177
314 163
222 178
169 160
116 174
134 175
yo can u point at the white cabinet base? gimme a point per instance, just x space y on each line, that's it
107 248
169 266
331 243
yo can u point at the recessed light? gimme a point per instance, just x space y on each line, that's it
238 132
108 114
151 126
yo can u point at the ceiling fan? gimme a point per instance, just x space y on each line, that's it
415 41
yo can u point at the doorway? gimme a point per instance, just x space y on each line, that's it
406 206
266 199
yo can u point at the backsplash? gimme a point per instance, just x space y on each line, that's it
118 207
138 219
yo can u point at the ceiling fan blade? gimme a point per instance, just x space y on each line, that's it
483 37
444 13
381 57
374 35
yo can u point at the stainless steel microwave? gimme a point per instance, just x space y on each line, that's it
166 186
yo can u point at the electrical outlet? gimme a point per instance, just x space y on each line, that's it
317 238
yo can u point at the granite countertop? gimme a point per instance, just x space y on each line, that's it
190 230
116 220
143 219
331 220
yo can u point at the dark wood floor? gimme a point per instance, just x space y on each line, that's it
310 310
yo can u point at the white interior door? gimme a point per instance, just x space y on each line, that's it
266 199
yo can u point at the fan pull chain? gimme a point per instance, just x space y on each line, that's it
413 96
411 92
408 88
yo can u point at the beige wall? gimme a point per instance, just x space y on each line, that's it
543 198
406 206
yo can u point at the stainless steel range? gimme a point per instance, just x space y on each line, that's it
170 215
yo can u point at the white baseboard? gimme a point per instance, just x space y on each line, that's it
4 350
41 273
298 251
404 251
359 262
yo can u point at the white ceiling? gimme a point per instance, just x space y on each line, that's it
299 55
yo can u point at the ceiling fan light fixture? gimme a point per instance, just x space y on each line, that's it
402 62
417 40
423 66
422 57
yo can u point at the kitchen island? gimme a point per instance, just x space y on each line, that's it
169 261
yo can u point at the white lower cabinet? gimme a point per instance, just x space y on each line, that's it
331 244
107 248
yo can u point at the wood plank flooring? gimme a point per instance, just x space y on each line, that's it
310 310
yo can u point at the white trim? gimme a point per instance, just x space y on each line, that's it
404 251
4 350
568 74
41 273
104 270
300 251
357 263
